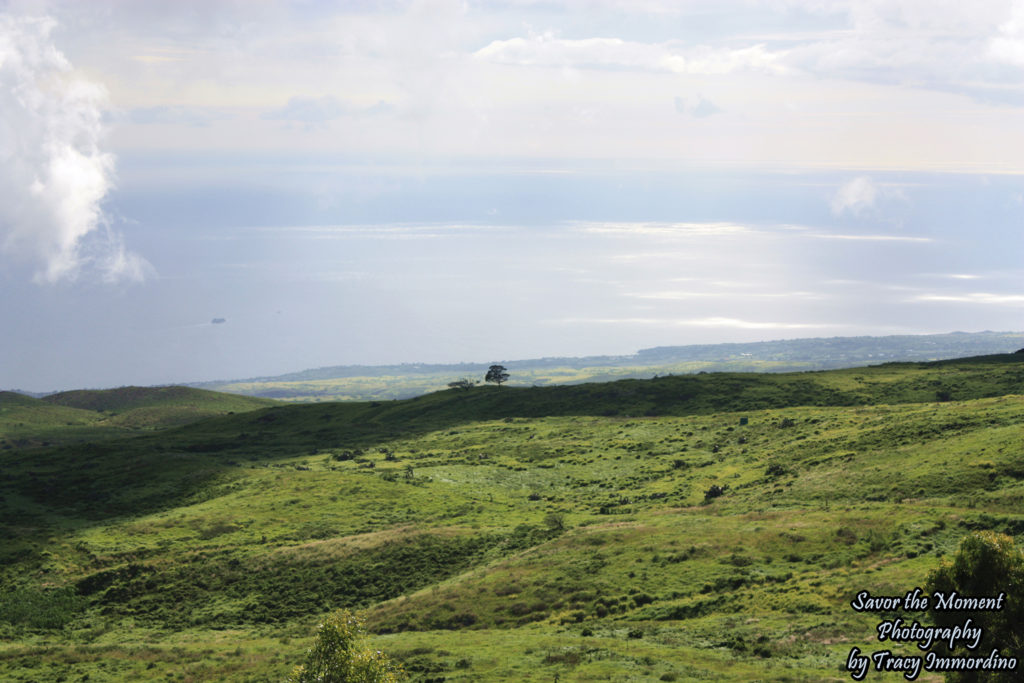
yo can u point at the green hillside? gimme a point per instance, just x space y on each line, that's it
156 406
513 534
30 422
91 415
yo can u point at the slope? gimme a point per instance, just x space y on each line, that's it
156 406
491 541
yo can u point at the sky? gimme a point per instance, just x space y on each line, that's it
443 181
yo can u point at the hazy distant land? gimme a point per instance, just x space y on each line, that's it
377 382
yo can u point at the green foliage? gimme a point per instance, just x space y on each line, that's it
39 608
339 656
986 565
214 591
555 521
496 374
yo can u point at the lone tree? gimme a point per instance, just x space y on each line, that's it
339 656
496 374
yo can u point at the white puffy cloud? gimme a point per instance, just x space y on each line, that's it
1008 45
974 49
856 196
54 174
860 196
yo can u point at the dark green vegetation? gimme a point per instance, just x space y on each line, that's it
985 564
700 527
386 382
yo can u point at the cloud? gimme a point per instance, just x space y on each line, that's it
976 298
684 295
699 107
662 229
311 110
1008 46
54 174
197 117
747 324
319 111
696 322
547 50
973 49
856 196
393 231
861 195
869 238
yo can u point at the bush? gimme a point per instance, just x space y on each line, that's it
714 492
555 521
986 565
338 656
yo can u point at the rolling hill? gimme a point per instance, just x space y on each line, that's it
699 527
84 415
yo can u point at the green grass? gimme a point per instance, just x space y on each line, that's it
92 415
511 534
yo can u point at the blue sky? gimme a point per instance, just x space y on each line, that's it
460 181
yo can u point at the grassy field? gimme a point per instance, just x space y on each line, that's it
506 534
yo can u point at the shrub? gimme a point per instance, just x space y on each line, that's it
714 492
338 656
846 535
986 565
555 521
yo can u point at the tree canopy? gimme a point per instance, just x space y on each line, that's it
339 656
496 374
986 565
